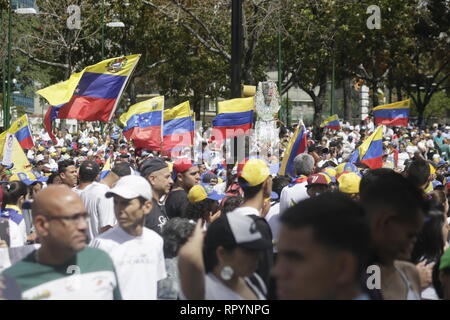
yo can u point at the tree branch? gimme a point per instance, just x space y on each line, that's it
202 25
48 63
195 34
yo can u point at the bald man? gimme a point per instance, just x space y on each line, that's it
64 267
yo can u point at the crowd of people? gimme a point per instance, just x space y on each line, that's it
110 221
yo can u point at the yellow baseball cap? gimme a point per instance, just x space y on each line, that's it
255 172
203 191
349 182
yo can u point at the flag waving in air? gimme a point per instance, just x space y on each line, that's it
143 123
297 145
178 131
370 152
331 122
235 118
21 130
394 114
92 94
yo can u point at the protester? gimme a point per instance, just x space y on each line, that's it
187 175
157 173
226 271
14 195
322 249
203 204
296 191
68 173
175 234
318 183
61 224
395 208
137 252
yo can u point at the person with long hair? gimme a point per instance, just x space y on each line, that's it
15 193
226 268
432 241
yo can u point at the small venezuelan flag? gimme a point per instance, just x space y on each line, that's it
394 114
331 122
21 130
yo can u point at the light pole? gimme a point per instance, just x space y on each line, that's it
7 101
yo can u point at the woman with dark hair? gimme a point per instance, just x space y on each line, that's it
203 204
232 248
431 242
14 195
175 233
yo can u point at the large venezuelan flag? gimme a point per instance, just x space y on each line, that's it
394 114
235 118
370 152
22 132
92 94
297 145
143 123
331 122
178 130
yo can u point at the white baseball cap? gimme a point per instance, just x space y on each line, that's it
130 187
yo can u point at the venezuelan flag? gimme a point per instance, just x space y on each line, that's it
394 114
235 118
92 94
331 123
370 152
143 123
297 145
178 130
21 130
106 169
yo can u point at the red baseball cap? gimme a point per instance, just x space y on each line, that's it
181 165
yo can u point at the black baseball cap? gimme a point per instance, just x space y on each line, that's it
152 165
89 168
236 229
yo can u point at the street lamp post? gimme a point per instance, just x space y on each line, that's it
7 101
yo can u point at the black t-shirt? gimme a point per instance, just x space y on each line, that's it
157 218
176 203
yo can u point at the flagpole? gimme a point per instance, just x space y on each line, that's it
162 128
123 87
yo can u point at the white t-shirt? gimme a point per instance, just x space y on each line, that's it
216 290
139 261
100 208
290 196
273 219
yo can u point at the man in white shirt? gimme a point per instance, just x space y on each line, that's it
296 191
100 208
137 252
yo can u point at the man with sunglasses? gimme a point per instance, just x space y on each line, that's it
64 267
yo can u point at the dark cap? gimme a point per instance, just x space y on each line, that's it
89 168
152 165
235 229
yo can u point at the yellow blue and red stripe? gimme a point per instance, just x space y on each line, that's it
370 152
297 145
143 123
106 169
90 95
394 114
331 122
21 130
235 118
178 129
